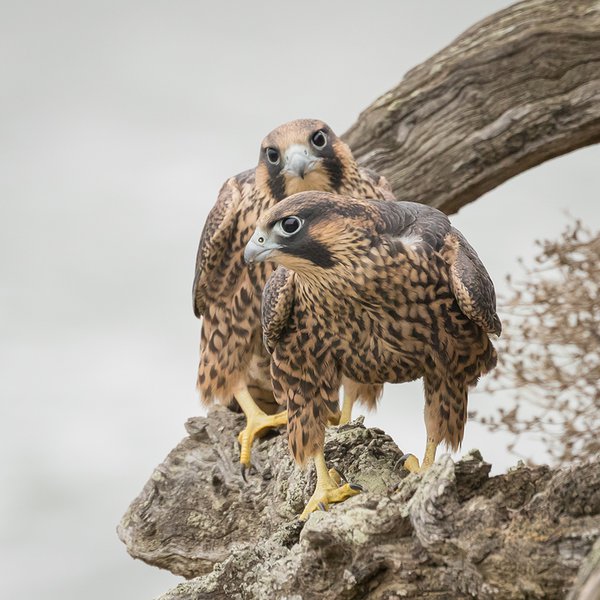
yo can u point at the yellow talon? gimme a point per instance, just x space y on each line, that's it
344 416
328 489
411 462
256 425
334 420
335 476
257 422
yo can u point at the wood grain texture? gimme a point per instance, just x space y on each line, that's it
513 91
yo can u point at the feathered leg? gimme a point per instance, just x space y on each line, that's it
257 422
329 489
445 416
311 395
368 393
348 403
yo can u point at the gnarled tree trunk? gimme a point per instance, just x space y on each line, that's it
453 532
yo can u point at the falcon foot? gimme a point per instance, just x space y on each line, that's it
329 490
411 463
334 420
346 414
258 422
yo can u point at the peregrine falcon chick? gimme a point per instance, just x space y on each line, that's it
375 292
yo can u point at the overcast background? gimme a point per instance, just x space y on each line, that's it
119 121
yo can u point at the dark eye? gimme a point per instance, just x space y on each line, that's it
290 225
319 139
272 155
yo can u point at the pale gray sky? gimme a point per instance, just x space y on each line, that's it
119 121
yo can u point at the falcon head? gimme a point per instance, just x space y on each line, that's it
303 155
311 231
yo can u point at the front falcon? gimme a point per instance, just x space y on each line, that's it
376 291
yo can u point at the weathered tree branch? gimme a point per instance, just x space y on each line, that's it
453 532
518 88
196 506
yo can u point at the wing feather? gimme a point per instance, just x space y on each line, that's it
277 303
215 239
412 223
380 185
472 285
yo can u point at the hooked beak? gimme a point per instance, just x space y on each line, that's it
299 161
259 247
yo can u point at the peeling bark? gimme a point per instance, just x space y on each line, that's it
453 532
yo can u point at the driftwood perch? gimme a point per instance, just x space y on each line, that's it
451 533
516 89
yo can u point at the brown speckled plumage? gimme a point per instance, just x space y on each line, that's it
226 291
393 293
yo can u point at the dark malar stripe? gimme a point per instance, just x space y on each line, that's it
335 169
277 186
314 251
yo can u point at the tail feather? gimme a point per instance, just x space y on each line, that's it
445 409
368 394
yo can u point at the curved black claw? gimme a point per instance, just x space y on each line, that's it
321 506
357 487
404 458
243 472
